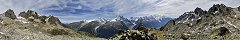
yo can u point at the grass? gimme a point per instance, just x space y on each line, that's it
58 32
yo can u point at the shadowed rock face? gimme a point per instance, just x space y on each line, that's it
238 8
32 16
28 14
9 13
51 20
204 24
223 31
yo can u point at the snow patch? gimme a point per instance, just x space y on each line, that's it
115 19
89 20
216 12
21 19
96 28
2 22
2 33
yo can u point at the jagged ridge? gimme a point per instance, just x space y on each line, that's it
218 22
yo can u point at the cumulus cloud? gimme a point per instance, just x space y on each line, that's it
75 10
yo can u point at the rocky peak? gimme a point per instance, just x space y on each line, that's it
191 18
198 10
29 14
10 13
238 8
120 18
217 7
51 20
33 16
220 9
140 27
218 20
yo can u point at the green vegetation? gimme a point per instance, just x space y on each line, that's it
57 32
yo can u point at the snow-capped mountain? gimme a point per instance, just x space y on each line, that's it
153 21
107 28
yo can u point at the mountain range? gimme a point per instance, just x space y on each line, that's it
220 22
107 28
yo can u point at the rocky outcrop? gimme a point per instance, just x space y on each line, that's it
51 20
29 14
34 17
139 27
238 8
10 14
219 22
221 10
140 33
135 35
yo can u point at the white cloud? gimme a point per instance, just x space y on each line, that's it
23 5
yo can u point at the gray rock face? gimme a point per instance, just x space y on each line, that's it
139 27
33 16
239 8
51 20
9 13
140 33
220 22
134 35
29 14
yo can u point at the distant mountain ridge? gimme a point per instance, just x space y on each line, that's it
107 28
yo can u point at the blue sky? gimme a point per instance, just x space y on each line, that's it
76 10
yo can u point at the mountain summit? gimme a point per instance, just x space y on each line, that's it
109 28
219 22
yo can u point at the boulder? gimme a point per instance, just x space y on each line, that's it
9 13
